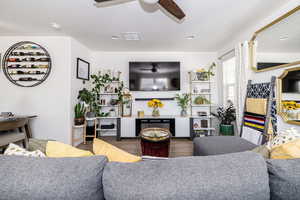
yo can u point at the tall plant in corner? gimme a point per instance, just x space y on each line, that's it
89 98
226 116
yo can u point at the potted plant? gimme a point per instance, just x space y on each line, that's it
199 100
79 111
100 81
204 75
89 99
155 104
226 116
183 101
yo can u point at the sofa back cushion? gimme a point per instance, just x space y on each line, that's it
24 178
284 178
231 176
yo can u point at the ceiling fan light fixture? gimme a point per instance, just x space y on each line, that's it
151 1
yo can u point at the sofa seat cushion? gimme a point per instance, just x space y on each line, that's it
284 179
215 145
26 178
232 176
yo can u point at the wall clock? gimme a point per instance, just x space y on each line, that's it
26 64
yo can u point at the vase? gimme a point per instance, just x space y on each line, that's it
155 112
226 130
183 113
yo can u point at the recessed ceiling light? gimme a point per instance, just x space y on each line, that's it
131 36
56 26
283 38
115 37
190 37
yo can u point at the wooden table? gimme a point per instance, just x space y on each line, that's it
21 123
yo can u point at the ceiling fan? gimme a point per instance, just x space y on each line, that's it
154 68
169 5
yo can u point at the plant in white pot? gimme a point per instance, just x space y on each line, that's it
226 116
79 111
183 101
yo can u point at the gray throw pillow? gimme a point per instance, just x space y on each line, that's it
224 177
24 178
284 178
37 144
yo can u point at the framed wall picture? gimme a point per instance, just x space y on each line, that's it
83 69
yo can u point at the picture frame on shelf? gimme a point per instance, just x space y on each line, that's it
83 69
127 105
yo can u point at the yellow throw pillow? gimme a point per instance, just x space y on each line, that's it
289 150
113 153
61 150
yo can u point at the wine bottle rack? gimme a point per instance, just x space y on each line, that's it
26 64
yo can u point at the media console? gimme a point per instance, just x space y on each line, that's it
167 123
178 126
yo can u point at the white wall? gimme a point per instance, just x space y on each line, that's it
50 100
245 35
77 51
189 61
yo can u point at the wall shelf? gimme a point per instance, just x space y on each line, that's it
200 125
30 54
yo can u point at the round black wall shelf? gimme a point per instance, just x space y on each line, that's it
26 64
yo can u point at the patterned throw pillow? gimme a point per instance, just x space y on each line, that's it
15 150
284 137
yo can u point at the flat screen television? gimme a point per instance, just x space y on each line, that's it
291 83
154 76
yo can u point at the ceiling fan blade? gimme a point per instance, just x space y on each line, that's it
172 8
102 1
109 3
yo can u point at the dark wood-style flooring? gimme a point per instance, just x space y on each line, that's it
178 148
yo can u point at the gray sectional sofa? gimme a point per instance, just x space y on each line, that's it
217 145
237 176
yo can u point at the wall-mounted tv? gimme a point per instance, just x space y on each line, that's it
154 76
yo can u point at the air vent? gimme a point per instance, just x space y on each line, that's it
131 36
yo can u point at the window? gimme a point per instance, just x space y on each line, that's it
229 80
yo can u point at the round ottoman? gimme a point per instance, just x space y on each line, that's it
155 142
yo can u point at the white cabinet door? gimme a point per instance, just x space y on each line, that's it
128 127
182 127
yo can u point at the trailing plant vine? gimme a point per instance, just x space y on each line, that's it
99 81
